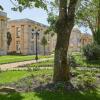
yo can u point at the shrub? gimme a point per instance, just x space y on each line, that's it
72 61
92 51
86 79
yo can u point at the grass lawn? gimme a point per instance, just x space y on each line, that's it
13 76
17 58
45 95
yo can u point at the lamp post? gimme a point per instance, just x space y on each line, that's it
37 34
36 43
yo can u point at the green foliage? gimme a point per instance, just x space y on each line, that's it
23 4
92 51
44 41
52 19
9 39
97 37
88 15
86 79
46 95
83 62
1 8
72 61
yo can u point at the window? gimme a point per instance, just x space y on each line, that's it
22 28
17 45
2 23
32 33
17 32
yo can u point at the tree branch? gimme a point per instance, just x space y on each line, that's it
63 9
71 8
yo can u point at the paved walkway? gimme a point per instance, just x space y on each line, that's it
11 66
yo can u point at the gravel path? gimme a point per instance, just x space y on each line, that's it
11 66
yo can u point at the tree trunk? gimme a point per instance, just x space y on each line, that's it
64 27
99 15
44 50
97 33
61 68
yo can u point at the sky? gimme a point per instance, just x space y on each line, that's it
35 14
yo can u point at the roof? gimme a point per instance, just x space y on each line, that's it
3 14
86 34
27 20
76 30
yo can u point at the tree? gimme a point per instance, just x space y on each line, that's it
88 15
97 35
1 8
20 5
63 28
44 43
9 39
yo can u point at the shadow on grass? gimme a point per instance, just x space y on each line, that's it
68 96
11 96
46 95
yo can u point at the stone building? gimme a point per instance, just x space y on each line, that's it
86 39
23 32
78 40
75 40
3 31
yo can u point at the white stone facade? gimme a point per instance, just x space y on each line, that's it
23 32
3 33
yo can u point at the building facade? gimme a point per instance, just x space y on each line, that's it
75 41
3 35
25 33
78 40
86 39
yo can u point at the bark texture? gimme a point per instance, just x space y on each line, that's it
64 27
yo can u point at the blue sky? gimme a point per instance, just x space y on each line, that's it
35 14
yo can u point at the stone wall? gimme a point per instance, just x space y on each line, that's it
3 33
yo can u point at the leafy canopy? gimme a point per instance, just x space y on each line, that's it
20 5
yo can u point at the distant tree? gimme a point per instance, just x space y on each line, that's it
9 39
44 43
88 15
97 37
1 8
